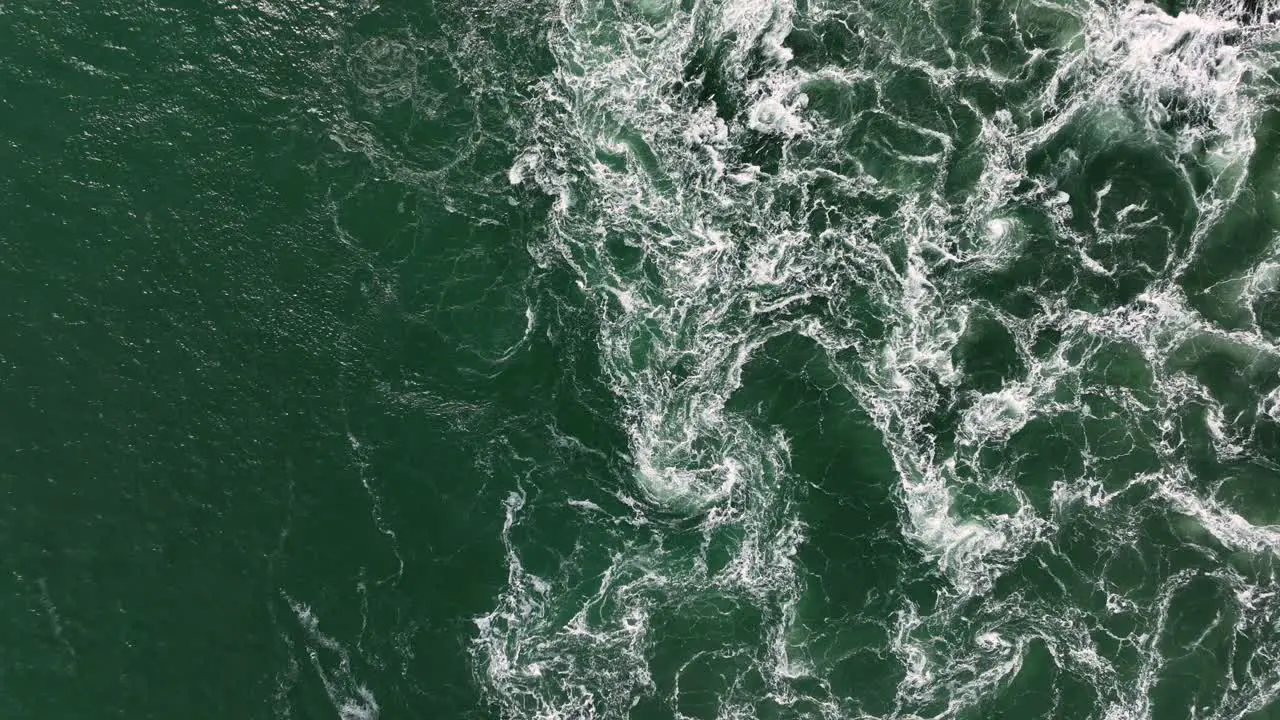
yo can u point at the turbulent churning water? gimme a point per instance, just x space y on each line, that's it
1023 240
595 359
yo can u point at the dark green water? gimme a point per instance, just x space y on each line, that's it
648 359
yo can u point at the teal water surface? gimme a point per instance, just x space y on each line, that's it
640 359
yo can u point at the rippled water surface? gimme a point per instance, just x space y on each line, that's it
578 359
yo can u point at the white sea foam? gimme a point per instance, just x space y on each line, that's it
351 699
745 205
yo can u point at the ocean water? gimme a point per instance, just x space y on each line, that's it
644 359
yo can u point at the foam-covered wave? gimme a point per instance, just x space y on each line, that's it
989 224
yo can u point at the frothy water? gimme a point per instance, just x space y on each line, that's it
1004 228
351 699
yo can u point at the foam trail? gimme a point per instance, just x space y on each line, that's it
350 699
